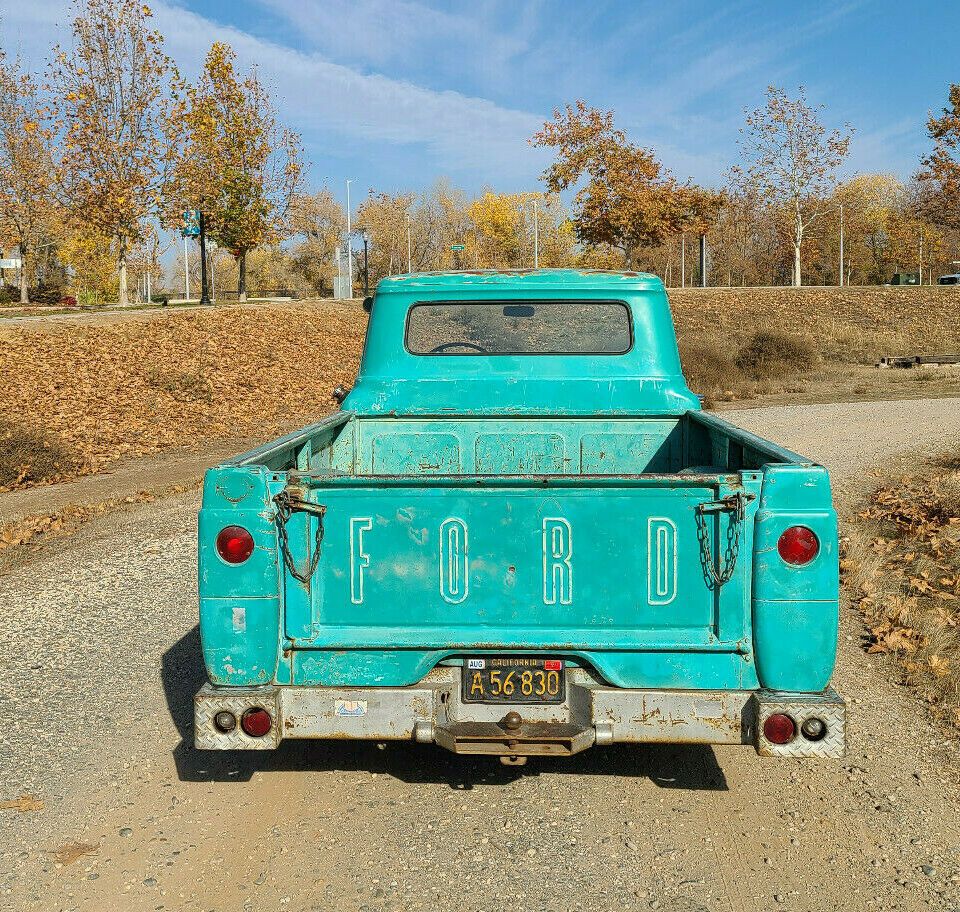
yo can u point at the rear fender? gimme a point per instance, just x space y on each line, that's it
795 609
239 603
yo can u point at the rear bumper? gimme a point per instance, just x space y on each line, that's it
593 713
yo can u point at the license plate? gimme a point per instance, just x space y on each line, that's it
513 679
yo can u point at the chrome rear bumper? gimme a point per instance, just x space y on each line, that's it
592 713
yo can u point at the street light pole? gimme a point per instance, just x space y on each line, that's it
683 259
409 270
186 269
349 246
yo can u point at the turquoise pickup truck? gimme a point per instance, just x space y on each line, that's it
519 537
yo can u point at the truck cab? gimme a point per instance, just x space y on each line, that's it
520 536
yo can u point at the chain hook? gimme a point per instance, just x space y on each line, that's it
735 504
286 506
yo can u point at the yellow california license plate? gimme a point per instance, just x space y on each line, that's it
513 679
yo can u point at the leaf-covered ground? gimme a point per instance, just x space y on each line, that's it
902 565
76 397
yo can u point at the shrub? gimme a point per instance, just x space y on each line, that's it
30 455
708 367
771 354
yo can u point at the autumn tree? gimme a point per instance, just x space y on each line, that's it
940 174
625 197
241 168
26 170
318 220
505 224
791 160
115 98
386 218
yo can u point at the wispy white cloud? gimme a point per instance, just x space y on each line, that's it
326 100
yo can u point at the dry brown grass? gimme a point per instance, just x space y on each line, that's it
782 338
901 564
29 455
770 354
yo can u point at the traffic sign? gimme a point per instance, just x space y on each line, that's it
457 247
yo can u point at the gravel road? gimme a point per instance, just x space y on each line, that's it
95 703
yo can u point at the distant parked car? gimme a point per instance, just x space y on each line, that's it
68 301
905 278
949 280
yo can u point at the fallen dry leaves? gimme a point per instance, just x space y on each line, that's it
124 389
902 565
26 530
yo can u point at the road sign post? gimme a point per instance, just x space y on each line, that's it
457 250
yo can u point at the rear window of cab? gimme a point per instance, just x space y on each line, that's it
519 328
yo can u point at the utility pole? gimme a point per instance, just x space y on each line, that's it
204 294
536 235
349 246
683 259
409 270
841 245
186 270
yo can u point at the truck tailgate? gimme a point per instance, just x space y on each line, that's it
587 563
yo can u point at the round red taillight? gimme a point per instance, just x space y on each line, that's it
779 728
234 544
256 722
798 545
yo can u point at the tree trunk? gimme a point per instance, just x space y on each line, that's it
122 270
797 242
242 276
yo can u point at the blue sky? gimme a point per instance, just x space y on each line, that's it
394 94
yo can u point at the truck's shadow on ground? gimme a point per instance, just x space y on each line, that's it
669 766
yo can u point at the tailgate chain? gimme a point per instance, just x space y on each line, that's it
735 504
286 507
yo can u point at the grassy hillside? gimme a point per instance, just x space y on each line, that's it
77 395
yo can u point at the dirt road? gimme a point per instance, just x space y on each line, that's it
95 714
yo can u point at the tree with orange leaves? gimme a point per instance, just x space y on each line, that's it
241 167
940 176
115 98
26 170
626 198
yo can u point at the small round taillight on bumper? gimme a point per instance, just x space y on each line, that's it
813 729
256 722
225 722
779 728
234 544
798 545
